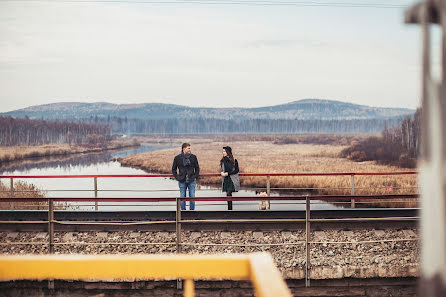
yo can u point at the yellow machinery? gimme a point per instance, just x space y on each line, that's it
258 268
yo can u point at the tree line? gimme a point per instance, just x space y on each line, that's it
24 131
209 126
398 145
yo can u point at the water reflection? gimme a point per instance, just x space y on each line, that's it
65 162
61 162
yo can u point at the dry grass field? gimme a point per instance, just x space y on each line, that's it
268 157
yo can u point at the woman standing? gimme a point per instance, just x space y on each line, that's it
229 172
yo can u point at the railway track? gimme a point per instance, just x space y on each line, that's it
366 218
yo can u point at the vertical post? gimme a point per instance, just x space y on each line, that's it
96 206
51 235
11 205
51 226
178 225
432 154
12 186
307 241
268 190
352 183
178 233
189 288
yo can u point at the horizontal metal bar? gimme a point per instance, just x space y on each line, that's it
87 243
213 174
113 223
365 219
209 198
244 221
24 222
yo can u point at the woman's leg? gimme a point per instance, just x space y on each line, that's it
229 194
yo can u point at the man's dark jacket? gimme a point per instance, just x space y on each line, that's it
190 172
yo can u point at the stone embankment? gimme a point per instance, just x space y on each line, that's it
334 253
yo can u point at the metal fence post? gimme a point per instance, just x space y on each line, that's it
178 233
178 225
96 206
51 225
268 190
11 205
307 241
352 183
51 235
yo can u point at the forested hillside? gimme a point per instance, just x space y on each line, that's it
17 131
306 109
303 116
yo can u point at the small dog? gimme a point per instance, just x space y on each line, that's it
264 204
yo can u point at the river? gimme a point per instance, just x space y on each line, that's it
105 163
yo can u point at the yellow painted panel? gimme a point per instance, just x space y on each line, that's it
124 267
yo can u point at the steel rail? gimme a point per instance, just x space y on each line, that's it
213 221
301 242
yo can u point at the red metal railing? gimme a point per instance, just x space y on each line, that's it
267 175
352 197
214 174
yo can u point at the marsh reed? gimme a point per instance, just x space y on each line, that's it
268 157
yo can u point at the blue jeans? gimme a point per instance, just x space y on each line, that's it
183 186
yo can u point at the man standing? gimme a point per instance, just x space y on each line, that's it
188 172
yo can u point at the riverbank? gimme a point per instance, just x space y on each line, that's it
269 157
17 153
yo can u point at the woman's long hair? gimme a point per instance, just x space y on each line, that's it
230 157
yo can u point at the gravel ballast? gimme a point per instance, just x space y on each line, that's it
370 253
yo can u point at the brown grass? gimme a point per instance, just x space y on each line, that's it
267 157
22 190
15 153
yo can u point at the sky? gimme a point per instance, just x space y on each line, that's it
207 54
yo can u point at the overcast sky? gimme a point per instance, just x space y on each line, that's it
207 54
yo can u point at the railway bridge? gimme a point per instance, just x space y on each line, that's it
365 251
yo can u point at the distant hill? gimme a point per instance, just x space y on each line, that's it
306 109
